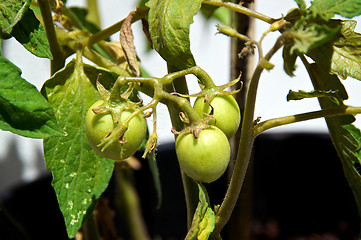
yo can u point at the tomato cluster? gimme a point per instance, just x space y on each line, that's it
206 157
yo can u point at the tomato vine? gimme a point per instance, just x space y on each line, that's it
201 131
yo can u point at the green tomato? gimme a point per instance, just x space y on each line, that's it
206 158
226 112
100 125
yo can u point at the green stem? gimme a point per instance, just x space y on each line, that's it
93 12
184 105
330 112
58 60
240 9
202 75
244 149
189 186
107 32
130 205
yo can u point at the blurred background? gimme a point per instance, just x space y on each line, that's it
21 159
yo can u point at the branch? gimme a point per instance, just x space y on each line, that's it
107 32
241 9
245 147
331 112
58 60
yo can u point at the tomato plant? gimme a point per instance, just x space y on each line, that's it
206 157
100 125
80 140
226 113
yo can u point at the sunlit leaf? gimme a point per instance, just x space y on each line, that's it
307 36
23 110
31 34
203 220
342 56
328 8
79 175
169 22
11 11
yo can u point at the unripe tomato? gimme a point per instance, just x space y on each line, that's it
206 158
226 112
100 125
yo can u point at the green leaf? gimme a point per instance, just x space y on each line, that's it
23 110
328 8
289 60
11 11
345 136
31 34
292 95
79 175
169 23
307 36
222 15
301 4
203 219
342 56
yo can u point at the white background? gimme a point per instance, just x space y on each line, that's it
211 52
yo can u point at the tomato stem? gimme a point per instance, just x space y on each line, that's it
244 149
58 60
330 112
107 32
240 9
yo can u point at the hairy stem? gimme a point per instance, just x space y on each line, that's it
93 12
58 60
244 149
330 112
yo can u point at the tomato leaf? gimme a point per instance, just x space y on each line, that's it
31 34
342 56
203 219
310 35
23 110
345 136
169 23
79 175
328 8
289 60
292 95
301 4
11 11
